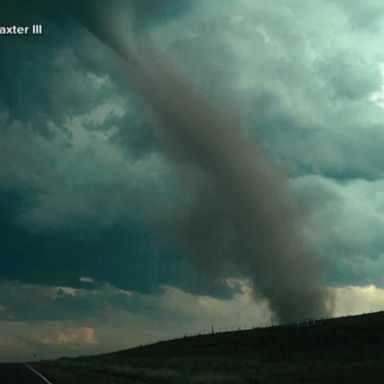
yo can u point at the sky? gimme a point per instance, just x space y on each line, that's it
97 199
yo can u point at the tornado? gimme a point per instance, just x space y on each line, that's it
242 219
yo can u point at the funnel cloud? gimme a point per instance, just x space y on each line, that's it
141 195
241 217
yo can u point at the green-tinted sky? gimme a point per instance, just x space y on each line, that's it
91 202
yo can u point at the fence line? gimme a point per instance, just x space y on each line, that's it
261 325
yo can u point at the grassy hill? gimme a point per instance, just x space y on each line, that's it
348 349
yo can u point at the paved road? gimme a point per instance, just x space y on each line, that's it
20 374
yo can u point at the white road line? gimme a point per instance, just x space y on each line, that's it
38 374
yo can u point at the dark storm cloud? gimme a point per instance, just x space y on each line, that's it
305 94
243 219
23 302
50 220
34 302
123 254
28 74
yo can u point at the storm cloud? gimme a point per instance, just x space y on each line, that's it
242 218
92 174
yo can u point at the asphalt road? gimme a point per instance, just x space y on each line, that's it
20 374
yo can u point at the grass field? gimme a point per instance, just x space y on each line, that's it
349 349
